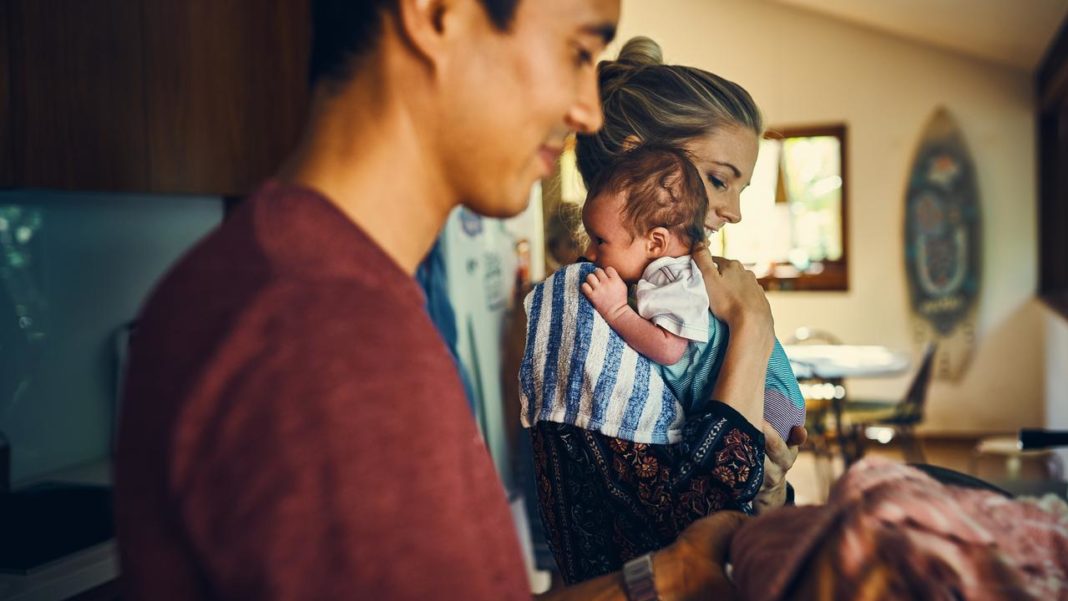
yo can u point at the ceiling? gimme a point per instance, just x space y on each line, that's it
1008 32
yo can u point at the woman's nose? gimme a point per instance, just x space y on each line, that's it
731 211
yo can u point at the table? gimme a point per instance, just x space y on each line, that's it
829 361
84 571
830 364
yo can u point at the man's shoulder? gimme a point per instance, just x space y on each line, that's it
344 306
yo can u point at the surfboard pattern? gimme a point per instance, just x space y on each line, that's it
943 243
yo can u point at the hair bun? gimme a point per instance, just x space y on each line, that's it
641 51
637 53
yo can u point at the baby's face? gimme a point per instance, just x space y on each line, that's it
611 243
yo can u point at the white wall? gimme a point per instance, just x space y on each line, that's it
1057 374
803 69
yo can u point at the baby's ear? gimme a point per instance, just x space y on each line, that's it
657 241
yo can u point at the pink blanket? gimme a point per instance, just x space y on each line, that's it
891 532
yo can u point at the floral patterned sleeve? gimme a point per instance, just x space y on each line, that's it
604 500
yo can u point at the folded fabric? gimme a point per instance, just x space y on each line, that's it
576 370
891 532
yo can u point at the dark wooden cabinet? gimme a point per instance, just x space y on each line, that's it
194 96
7 169
1051 92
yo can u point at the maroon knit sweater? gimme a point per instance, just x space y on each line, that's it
293 427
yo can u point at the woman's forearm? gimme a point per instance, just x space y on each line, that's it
741 380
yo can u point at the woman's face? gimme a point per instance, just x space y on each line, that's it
725 157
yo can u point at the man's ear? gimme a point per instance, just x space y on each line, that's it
656 241
631 142
421 23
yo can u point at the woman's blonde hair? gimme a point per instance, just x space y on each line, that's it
665 105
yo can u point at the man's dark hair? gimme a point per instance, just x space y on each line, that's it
345 29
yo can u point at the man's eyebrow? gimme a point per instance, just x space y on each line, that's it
606 31
737 172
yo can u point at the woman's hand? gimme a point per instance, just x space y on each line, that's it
734 295
779 457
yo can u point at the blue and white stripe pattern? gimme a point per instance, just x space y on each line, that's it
576 370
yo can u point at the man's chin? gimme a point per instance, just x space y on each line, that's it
498 209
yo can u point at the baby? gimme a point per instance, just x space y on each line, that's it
644 216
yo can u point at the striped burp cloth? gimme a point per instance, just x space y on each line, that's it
576 370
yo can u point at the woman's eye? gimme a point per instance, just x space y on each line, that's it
717 183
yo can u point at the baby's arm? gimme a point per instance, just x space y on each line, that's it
608 294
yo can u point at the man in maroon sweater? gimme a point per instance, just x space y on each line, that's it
293 426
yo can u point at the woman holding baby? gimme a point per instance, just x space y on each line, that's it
609 501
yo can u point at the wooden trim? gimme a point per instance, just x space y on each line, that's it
833 278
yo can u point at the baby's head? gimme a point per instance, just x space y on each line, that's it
650 203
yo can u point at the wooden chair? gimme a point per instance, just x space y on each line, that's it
901 417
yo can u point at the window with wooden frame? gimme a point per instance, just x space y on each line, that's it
793 235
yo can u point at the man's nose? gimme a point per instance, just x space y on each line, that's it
585 115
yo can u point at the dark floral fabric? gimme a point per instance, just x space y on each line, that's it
604 500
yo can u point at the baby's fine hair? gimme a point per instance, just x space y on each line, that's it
662 188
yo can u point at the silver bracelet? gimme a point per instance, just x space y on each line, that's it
638 579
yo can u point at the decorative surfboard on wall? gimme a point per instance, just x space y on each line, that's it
943 244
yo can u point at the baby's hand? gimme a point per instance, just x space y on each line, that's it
607 292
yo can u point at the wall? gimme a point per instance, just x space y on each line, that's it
803 69
74 270
1056 374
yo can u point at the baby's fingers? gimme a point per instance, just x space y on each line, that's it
587 289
